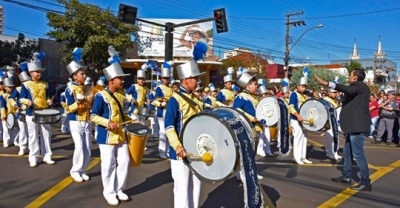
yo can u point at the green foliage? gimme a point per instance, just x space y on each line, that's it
313 84
353 65
16 51
210 33
235 63
91 28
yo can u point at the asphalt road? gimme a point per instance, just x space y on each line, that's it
150 185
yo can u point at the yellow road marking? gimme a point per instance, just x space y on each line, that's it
70 156
314 143
347 193
57 188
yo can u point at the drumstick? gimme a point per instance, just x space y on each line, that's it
309 121
206 158
123 123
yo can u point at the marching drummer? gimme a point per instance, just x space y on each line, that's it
246 102
23 129
163 93
107 112
332 134
35 95
225 96
182 105
210 102
100 85
155 127
8 106
136 95
264 147
78 109
296 99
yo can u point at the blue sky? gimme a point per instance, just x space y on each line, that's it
259 24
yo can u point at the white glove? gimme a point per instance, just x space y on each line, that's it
163 104
80 97
49 102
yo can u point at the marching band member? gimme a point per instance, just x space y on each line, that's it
163 93
198 92
23 129
236 90
263 147
155 127
181 106
175 86
296 99
107 112
8 106
78 108
246 102
225 96
64 111
1 94
136 95
330 150
100 84
210 102
35 95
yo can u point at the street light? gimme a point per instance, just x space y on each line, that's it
289 49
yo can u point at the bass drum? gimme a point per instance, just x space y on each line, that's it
267 111
215 132
314 110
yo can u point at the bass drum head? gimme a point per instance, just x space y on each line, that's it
268 110
10 121
314 109
205 132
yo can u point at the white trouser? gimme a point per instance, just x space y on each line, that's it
22 135
114 168
9 134
163 143
65 124
33 140
95 131
299 141
155 128
263 146
81 134
186 185
329 145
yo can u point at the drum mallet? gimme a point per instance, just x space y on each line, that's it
206 158
309 121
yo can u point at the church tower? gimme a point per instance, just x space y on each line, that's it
355 55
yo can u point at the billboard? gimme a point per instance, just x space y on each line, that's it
151 38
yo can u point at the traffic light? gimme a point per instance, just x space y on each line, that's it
220 20
127 13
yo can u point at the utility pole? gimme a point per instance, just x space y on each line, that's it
287 39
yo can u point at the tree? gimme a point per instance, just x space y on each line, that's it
17 51
353 65
91 28
313 84
250 61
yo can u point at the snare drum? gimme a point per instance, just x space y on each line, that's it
46 116
146 112
315 110
215 132
10 121
136 135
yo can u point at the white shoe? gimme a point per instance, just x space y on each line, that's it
261 154
259 177
112 200
298 162
122 196
85 177
32 164
6 145
304 160
76 177
21 152
49 162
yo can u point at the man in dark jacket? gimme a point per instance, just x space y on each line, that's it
355 122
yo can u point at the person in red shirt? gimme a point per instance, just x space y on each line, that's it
374 111
278 93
